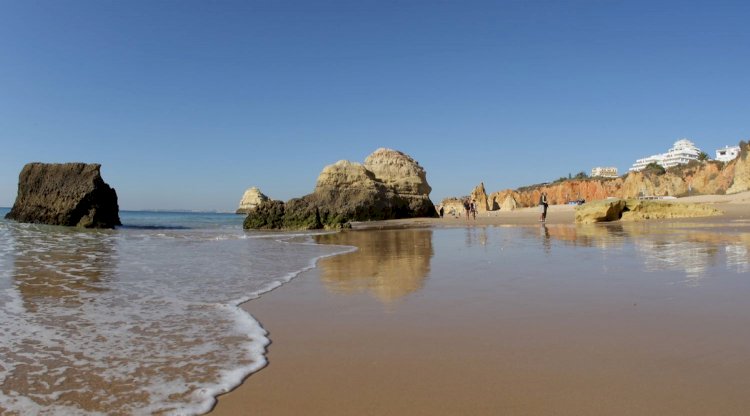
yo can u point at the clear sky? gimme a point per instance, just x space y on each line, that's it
188 103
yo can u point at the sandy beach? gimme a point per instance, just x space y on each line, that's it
437 317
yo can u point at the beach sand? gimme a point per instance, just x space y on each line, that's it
413 325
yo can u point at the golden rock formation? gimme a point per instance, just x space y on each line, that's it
634 210
480 198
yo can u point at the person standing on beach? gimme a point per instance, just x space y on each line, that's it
543 207
473 208
466 207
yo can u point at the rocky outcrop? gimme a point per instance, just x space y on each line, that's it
389 185
741 179
453 207
267 215
399 172
479 196
635 210
509 203
250 200
600 211
72 194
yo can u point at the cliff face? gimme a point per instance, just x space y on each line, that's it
741 180
698 178
72 194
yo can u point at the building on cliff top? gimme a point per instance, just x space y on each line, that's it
727 153
600 172
683 151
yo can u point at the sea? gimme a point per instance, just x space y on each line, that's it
145 319
138 320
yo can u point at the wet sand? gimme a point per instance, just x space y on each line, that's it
425 321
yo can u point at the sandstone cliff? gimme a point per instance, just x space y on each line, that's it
72 194
250 200
692 179
741 180
389 185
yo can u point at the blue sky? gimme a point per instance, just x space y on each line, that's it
188 103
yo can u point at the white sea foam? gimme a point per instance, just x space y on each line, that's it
135 321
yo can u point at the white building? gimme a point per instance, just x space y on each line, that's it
727 153
683 151
608 172
640 164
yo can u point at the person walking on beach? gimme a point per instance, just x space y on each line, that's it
543 207
473 208
466 207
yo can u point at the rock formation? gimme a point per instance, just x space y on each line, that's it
453 207
741 179
634 210
600 211
480 198
72 194
399 172
389 185
509 203
251 199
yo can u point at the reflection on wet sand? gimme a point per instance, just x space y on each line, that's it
60 266
389 264
55 271
685 248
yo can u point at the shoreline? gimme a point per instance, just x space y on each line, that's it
344 346
734 207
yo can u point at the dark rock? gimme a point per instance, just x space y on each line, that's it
72 194
267 215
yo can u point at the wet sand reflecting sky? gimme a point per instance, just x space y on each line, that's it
642 318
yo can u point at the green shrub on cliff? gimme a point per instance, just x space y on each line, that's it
654 168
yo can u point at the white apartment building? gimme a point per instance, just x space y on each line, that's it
604 172
683 151
727 153
640 164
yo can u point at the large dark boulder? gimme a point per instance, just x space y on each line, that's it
72 194
388 185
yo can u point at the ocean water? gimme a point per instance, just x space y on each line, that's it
139 320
